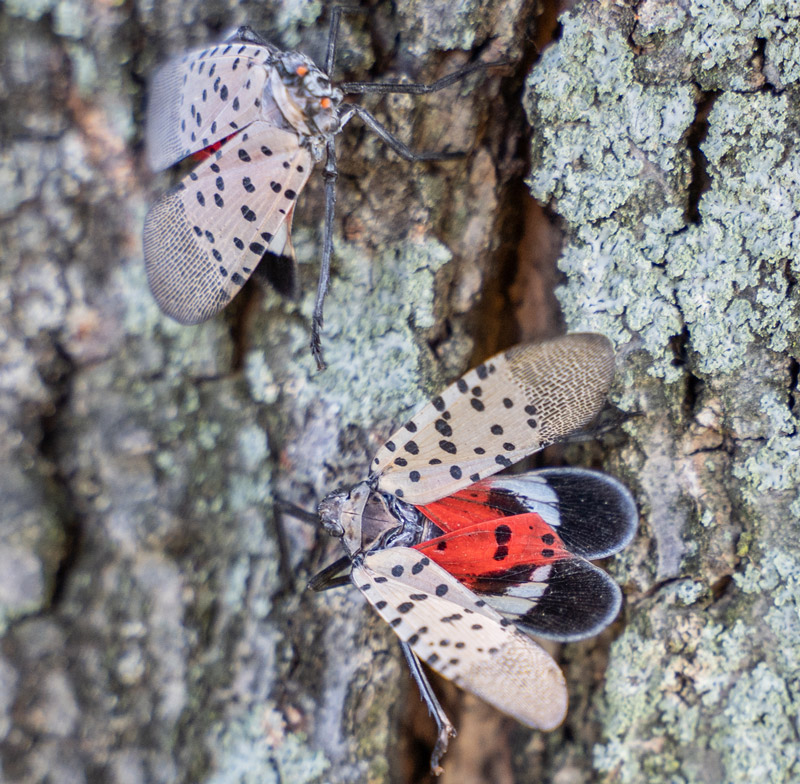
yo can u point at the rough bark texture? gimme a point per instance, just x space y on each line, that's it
149 632
666 139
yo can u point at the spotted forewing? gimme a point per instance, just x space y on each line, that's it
461 637
203 97
203 239
508 407
261 118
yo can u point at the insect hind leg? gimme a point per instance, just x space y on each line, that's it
331 174
443 725
247 35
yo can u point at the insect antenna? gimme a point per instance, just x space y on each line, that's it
417 88
443 726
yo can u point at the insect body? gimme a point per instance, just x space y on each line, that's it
458 561
264 117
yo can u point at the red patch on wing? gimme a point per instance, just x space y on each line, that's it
473 552
465 508
207 152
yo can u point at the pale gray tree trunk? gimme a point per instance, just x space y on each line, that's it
156 627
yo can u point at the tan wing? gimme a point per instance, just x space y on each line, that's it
203 239
461 637
513 404
202 97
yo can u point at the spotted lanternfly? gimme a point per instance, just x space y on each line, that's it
260 118
459 562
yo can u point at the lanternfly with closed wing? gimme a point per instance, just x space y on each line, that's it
203 239
461 562
264 117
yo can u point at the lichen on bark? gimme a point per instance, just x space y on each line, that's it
150 632
702 682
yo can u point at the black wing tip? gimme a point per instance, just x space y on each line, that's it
598 513
566 615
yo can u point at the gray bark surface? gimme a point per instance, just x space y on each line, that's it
154 625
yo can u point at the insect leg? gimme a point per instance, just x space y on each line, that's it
331 174
246 34
417 88
392 141
331 577
333 33
287 507
284 559
445 728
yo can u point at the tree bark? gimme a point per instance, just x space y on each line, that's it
155 623
666 141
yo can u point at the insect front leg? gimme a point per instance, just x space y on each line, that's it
334 575
405 152
333 32
417 88
330 174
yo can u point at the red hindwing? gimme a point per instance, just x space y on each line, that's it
475 552
462 509
207 152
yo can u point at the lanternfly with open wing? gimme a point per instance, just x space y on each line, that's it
460 562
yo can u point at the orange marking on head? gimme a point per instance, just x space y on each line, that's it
302 70
325 103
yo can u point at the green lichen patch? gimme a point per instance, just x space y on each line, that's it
374 317
676 687
632 269
702 685
257 748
